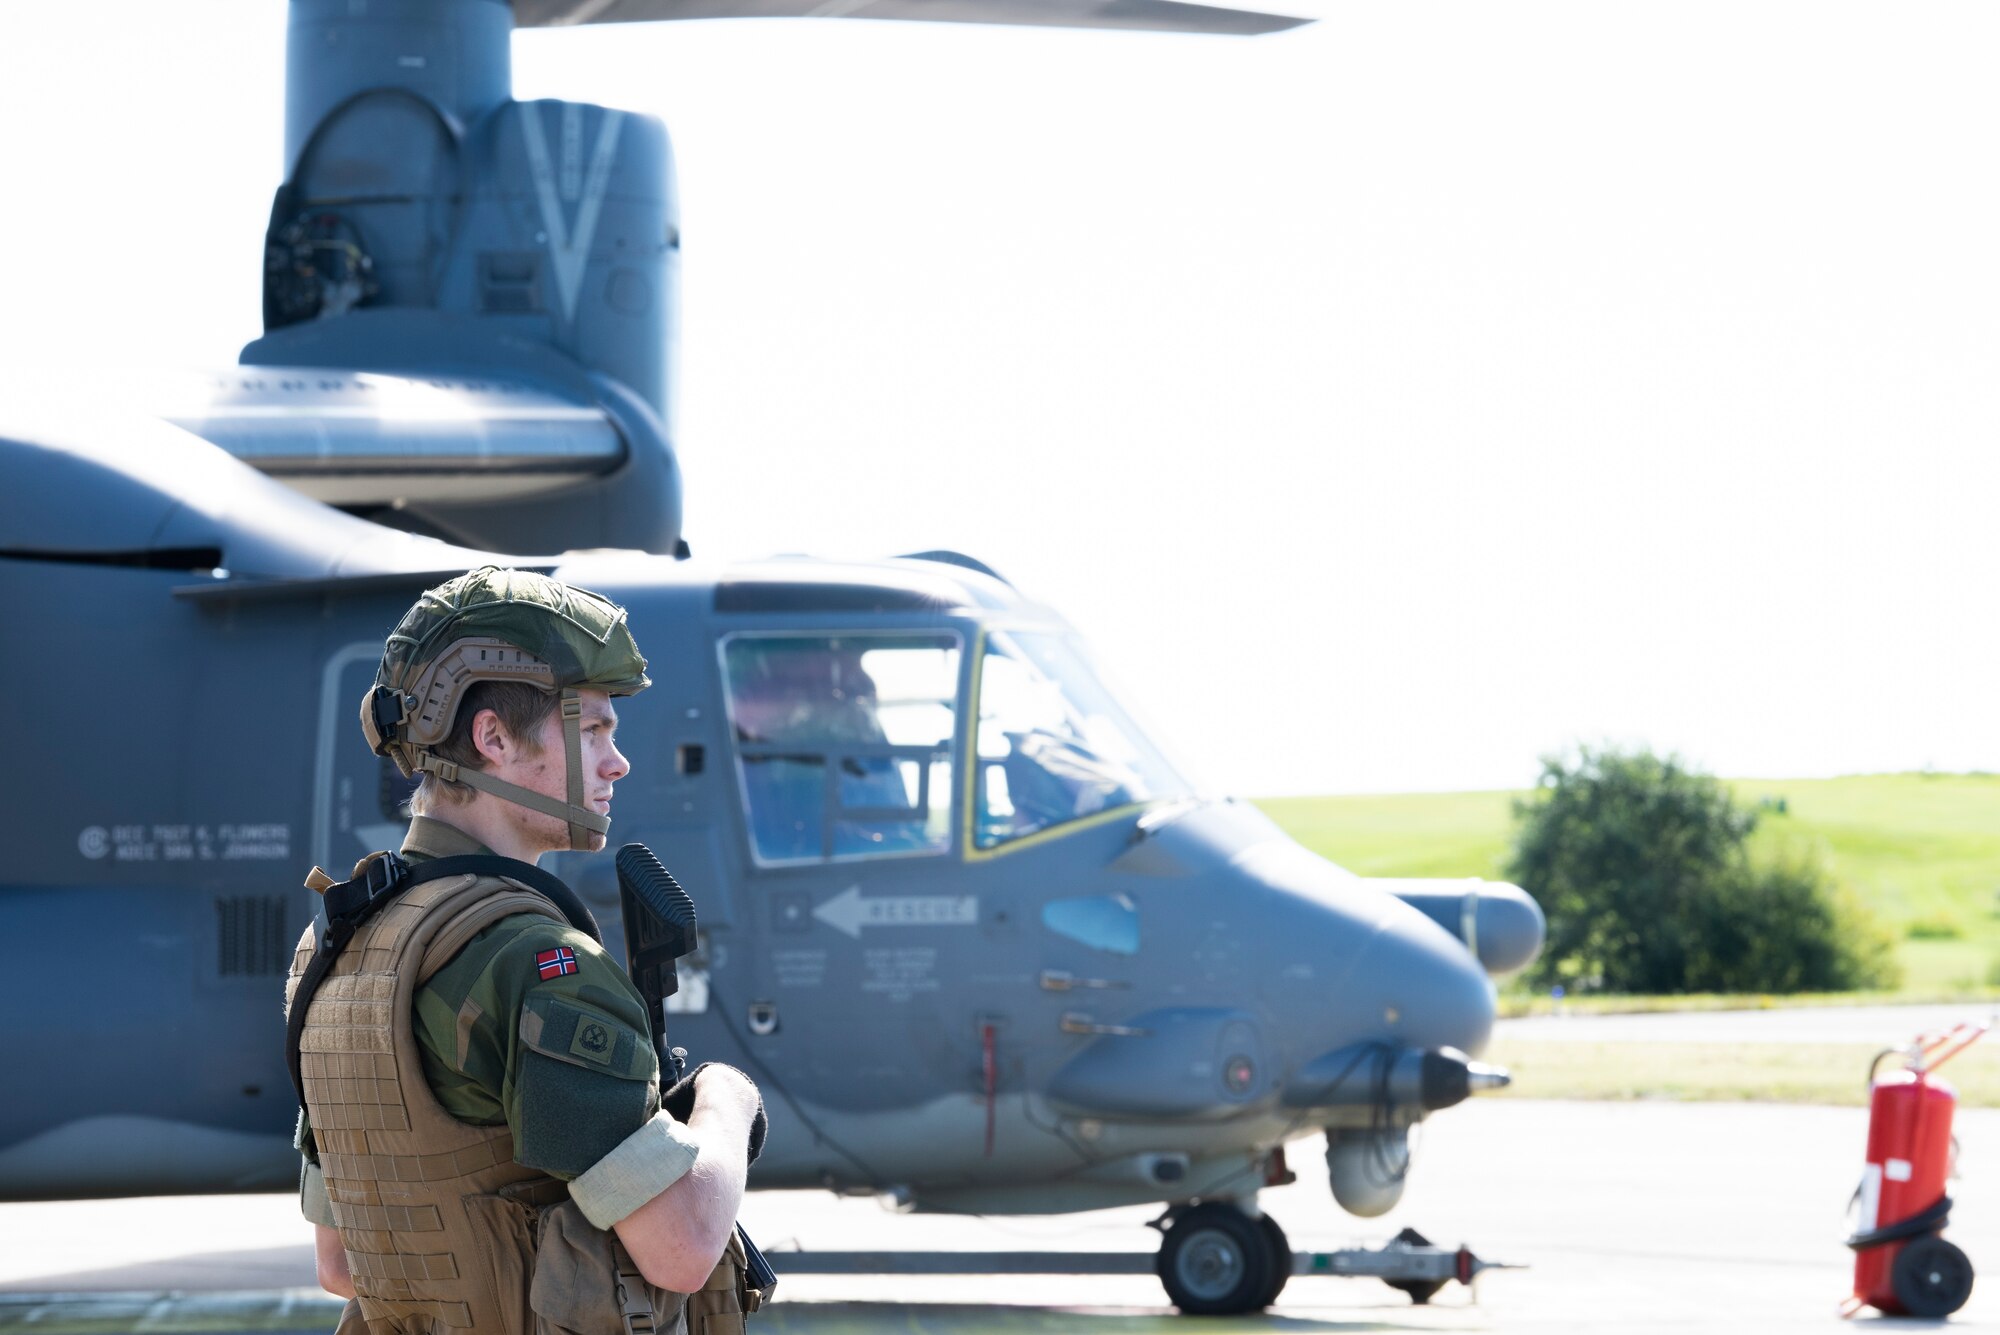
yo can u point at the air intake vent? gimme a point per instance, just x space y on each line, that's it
251 936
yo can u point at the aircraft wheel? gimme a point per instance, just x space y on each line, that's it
1216 1261
1932 1278
1281 1259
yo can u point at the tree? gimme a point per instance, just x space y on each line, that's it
1643 868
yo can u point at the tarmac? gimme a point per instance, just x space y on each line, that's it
1647 1216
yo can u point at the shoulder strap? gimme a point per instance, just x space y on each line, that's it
527 873
344 907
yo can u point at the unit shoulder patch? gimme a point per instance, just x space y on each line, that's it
581 1036
592 1042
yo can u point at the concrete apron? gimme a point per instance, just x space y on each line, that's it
1642 1216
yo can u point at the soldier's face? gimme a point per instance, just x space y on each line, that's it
545 770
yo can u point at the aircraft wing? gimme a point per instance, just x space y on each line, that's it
359 438
1132 15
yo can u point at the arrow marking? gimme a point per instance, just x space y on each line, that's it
848 912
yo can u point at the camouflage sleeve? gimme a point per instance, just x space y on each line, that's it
302 1139
313 1202
534 1025
312 1184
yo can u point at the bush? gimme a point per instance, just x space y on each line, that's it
1937 927
1643 869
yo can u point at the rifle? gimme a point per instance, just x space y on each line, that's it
659 932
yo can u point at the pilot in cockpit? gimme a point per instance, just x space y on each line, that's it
812 696
1039 765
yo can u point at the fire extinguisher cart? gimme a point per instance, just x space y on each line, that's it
1901 1265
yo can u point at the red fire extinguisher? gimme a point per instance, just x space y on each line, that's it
1901 1265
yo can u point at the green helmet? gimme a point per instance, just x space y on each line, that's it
492 624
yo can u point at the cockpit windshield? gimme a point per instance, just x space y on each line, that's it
1053 744
844 742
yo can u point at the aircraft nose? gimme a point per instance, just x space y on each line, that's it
1398 975
1431 992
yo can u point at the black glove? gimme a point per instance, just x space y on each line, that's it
679 1101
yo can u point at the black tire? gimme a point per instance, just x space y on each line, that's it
1216 1261
1281 1259
1932 1278
1421 1291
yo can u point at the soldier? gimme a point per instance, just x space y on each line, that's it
486 1143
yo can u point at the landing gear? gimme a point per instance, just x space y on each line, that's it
1217 1261
1281 1249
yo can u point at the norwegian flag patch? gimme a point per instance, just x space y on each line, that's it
557 963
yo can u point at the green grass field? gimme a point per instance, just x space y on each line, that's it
1922 851
1830 1073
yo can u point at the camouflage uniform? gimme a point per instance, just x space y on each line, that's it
565 1118
482 1099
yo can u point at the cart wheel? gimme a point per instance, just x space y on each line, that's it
1932 1278
1421 1291
1216 1261
1281 1259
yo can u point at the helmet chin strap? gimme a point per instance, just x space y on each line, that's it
582 821
572 715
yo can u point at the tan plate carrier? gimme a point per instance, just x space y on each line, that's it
443 1230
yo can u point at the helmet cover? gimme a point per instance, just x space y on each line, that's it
492 624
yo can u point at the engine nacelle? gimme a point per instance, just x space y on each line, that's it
431 224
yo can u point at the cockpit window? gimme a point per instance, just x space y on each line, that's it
843 743
1053 745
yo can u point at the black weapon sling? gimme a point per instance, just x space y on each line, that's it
344 907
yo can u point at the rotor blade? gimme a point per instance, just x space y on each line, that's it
1137 15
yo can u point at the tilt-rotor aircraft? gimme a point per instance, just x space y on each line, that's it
984 948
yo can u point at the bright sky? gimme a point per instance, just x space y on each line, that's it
1390 401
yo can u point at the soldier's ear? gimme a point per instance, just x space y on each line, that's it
490 737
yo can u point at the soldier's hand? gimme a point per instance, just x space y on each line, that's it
723 1089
